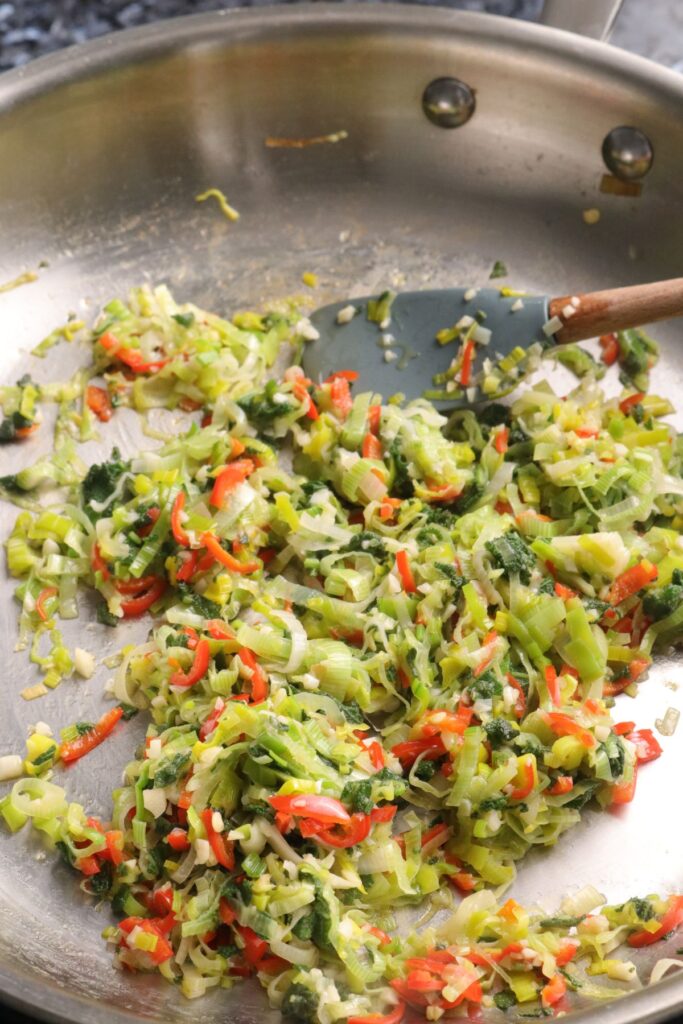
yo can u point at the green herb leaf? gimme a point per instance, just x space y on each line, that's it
510 553
452 574
300 1003
367 543
358 796
505 999
104 616
562 921
303 929
101 480
500 732
184 319
170 770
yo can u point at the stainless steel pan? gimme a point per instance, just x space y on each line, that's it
102 150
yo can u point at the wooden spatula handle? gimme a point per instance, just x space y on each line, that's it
599 313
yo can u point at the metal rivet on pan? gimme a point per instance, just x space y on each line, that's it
628 153
448 102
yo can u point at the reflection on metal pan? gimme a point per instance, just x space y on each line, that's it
104 148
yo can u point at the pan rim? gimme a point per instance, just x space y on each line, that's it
81 61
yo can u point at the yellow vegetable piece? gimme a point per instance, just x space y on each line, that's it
215 193
286 510
145 941
524 986
219 589
37 748
248 321
566 752
501 622
142 485
165 476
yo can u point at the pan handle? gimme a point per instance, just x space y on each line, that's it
593 18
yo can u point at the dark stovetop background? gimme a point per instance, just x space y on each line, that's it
31 28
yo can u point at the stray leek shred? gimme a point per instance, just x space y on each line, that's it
275 142
215 193
380 671
28 277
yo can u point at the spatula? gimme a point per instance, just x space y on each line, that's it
401 352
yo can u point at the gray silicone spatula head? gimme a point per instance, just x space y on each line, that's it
404 355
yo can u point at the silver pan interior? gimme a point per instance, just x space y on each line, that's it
102 150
